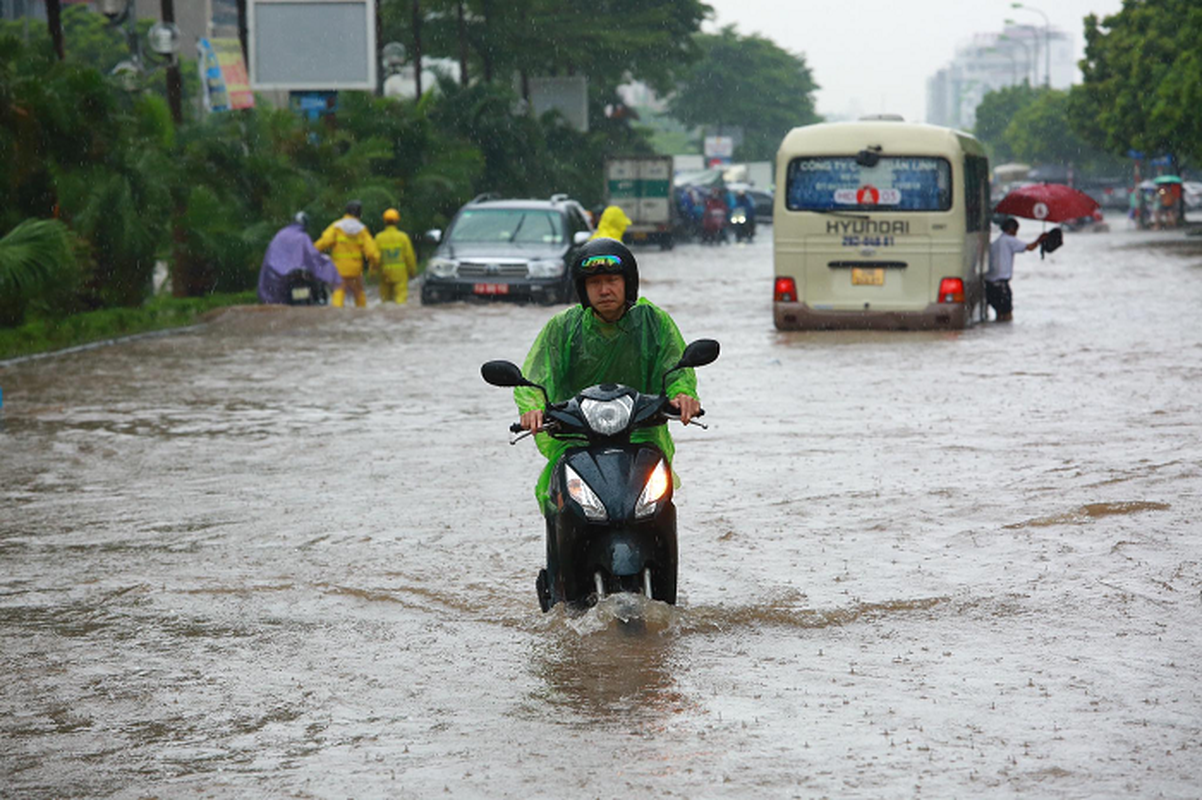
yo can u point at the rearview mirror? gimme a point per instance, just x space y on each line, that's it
434 235
503 373
580 237
699 353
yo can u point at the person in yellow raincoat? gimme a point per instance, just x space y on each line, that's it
613 224
349 242
398 263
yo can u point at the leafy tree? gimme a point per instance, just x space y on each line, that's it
1035 125
35 256
608 41
92 41
76 148
995 113
1143 78
524 156
1041 133
747 82
207 195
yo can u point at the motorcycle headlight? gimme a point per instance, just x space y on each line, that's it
655 490
546 267
607 417
583 494
442 267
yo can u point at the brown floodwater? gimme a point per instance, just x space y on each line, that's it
289 553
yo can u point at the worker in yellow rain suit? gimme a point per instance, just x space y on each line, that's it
397 261
349 242
613 224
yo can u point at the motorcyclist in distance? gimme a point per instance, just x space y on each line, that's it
612 336
291 250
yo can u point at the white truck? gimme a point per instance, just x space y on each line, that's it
642 187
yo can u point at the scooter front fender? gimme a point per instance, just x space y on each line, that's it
582 549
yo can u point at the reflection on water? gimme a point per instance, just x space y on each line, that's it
613 662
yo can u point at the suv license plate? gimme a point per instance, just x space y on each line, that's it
490 288
867 277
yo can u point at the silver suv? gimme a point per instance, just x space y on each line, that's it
498 249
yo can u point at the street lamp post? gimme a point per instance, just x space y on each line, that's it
1047 41
164 40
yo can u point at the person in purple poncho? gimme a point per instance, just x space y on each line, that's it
289 252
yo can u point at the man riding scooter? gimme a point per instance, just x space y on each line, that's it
742 216
611 337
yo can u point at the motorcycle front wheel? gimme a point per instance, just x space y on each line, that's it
651 584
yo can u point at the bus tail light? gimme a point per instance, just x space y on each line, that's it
951 290
786 290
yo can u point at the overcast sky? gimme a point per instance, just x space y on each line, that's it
875 55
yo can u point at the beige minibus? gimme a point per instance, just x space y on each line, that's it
880 224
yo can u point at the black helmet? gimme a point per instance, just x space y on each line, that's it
354 208
302 219
605 256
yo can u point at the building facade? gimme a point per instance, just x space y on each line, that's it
1018 54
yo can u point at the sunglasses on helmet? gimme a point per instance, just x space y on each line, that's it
598 262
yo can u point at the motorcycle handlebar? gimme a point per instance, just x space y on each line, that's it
551 427
676 414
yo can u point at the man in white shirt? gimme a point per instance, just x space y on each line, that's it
1001 268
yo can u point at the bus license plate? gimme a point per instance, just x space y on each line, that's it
867 277
490 288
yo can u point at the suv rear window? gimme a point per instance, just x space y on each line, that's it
509 225
894 184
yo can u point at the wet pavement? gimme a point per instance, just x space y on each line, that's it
291 554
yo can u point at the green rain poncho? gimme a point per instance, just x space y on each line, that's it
576 349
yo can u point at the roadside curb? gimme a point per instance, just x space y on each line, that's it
103 343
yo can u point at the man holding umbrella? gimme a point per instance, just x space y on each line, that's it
1046 202
1001 267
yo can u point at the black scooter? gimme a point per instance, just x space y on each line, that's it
615 525
742 222
303 289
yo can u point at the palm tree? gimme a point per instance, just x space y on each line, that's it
34 256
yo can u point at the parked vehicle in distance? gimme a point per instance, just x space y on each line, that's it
880 224
497 249
642 187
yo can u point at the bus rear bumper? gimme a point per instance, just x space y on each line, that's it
936 316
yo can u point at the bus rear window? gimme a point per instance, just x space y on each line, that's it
895 184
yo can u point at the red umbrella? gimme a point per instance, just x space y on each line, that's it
1047 202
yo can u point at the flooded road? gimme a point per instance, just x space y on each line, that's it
291 554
